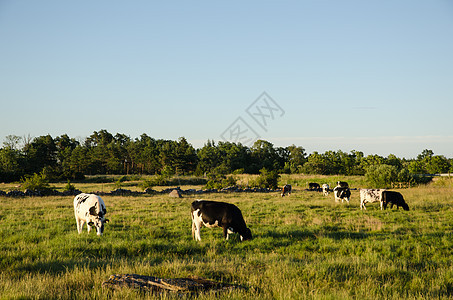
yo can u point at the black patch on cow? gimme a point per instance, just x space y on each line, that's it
93 211
82 198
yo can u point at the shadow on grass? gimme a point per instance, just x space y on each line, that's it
308 234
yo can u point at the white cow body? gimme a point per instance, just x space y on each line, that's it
370 196
325 189
90 209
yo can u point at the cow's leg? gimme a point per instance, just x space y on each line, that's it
80 223
197 229
88 227
193 228
196 226
198 232
225 233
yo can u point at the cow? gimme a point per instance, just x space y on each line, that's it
393 198
91 209
370 196
325 189
286 190
218 214
342 184
313 186
341 193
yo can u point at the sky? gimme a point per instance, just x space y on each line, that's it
370 76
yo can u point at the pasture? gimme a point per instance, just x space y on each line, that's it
304 246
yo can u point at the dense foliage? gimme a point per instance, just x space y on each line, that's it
64 157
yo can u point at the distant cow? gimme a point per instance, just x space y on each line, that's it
342 184
91 209
286 190
325 189
370 196
218 214
341 194
393 198
313 186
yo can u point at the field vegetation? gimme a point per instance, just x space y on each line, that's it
304 246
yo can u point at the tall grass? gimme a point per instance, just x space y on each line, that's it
305 246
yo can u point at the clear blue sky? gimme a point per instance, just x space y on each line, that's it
372 76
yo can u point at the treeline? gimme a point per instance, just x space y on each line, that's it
64 157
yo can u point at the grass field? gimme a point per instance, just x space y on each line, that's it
305 246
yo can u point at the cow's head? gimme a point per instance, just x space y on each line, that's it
247 235
98 219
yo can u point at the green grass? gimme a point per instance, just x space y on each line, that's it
305 246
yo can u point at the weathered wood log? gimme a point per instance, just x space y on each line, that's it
155 284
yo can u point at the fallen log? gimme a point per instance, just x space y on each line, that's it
155 284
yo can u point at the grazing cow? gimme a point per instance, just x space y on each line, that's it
370 196
341 193
393 198
90 208
218 214
286 190
312 186
342 184
325 189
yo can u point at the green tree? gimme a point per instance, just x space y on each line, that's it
316 164
381 176
264 156
209 158
437 164
267 179
40 153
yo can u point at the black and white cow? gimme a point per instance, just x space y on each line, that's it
342 184
325 189
313 186
394 198
341 194
218 214
91 209
286 190
371 196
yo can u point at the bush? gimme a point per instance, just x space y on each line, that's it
36 182
69 187
158 180
381 176
119 182
267 179
219 181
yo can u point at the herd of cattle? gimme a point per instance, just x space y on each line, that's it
90 209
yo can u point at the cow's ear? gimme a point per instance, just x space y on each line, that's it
90 223
106 220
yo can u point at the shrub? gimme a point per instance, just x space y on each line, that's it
267 179
119 182
381 176
219 181
158 180
69 187
36 182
